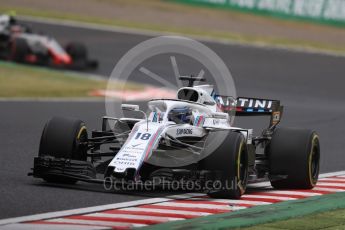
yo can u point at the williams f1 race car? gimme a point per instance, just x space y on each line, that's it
183 141
18 43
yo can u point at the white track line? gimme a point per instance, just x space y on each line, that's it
339 173
342 185
50 215
187 195
260 185
95 222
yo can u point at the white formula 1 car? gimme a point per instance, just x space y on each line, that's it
184 141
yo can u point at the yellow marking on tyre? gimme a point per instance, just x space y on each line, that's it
239 184
80 132
310 160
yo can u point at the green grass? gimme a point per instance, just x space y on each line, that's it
187 31
331 220
35 82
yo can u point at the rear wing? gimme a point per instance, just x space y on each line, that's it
245 106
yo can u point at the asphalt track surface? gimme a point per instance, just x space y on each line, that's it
309 85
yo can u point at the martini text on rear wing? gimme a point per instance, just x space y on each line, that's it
245 106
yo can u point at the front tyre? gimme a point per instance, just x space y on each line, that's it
77 50
64 138
230 160
20 49
295 155
78 53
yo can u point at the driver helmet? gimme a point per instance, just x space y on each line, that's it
4 21
180 115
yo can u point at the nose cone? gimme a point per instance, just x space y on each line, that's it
62 59
66 59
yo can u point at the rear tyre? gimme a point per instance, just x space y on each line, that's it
230 159
64 138
295 154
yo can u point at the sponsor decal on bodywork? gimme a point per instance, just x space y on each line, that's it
254 103
137 147
183 131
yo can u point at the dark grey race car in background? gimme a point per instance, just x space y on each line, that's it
20 44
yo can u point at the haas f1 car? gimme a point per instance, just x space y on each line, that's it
18 43
184 140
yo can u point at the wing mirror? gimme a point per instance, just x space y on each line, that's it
130 107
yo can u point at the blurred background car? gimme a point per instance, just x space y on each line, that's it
20 44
